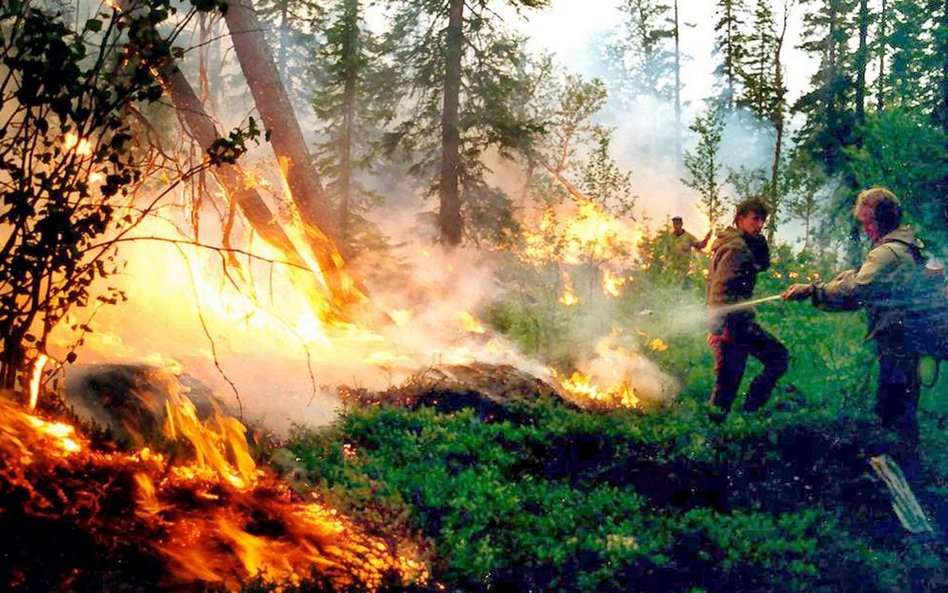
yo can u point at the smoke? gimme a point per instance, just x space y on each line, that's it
253 340
258 345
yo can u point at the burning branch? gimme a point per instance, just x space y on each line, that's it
258 214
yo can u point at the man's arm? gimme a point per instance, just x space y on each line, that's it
699 245
849 289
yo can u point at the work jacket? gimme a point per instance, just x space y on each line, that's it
679 252
736 259
882 284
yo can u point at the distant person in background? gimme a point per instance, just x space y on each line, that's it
879 286
678 249
738 254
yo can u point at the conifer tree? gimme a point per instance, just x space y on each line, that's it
353 97
290 33
828 107
730 46
465 73
645 51
756 71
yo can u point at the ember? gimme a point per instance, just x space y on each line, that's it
110 517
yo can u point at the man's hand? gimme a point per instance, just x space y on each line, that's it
797 292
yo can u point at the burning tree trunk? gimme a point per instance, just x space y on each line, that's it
448 188
273 104
231 178
204 132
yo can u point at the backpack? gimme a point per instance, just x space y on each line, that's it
926 308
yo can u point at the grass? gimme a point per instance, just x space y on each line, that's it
549 498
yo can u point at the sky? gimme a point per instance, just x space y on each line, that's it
570 28
574 32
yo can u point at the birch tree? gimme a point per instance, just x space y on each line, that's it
703 163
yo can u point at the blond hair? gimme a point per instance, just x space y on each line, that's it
882 205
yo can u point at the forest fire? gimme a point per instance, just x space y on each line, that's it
580 231
617 376
584 387
185 505
214 519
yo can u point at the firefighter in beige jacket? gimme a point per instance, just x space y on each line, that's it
881 286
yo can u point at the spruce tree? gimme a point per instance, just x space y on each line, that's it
730 45
828 107
645 51
464 74
353 98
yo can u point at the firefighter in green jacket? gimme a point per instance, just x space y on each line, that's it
881 286
675 249
737 256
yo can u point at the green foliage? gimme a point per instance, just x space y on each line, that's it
293 38
644 53
556 499
354 96
68 160
704 165
731 47
828 105
904 152
492 84
605 183
568 501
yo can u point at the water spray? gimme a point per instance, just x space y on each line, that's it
724 309
744 304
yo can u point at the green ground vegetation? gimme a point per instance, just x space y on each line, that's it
546 497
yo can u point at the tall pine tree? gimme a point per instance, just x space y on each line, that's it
465 74
354 96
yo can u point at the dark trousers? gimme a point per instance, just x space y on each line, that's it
898 392
739 339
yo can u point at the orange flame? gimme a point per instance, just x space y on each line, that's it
657 345
585 388
471 324
73 143
202 527
568 297
705 224
586 233
36 378
400 317
612 284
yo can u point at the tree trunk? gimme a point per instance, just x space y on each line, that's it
273 104
779 100
677 91
941 115
251 204
284 41
204 131
862 58
731 59
286 138
350 52
12 362
449 217
883 44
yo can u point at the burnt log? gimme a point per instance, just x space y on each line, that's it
130 400
494 392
